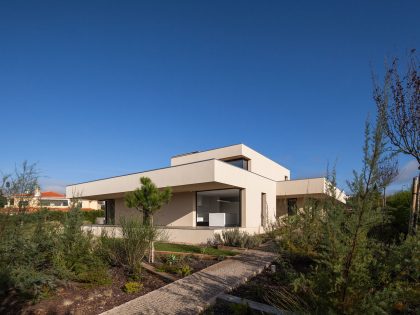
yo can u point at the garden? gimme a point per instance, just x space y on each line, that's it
49 265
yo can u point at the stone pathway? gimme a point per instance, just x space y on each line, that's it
194 293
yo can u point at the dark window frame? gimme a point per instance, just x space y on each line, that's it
291 211
240 205
245 163
110 211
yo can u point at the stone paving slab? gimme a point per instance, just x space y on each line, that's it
194 293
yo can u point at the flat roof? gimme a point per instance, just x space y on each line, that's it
195 152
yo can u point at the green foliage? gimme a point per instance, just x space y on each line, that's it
147 199
351 272
129 250
236 238
184 270
32 283
179 265
396 218
3 200
91 215
53 215
398 210
37 255
132 287
170 259
184 248
240 309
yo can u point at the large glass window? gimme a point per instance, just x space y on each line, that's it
219 207
242 163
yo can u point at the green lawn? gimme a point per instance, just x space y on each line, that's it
171 247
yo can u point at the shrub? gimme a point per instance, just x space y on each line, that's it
131 248
110 249
132 287
78 258
352 271
91 215
236 238
170 259
184 270
32 283
36 254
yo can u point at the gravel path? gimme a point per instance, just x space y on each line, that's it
194 293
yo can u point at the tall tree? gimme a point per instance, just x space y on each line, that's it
148 199
398 103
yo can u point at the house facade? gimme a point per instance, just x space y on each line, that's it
228 187
50 200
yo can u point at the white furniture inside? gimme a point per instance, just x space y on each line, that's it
217 219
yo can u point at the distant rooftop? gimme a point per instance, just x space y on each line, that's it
51 194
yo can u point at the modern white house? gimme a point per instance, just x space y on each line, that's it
233 186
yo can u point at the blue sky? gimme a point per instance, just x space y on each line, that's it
91 89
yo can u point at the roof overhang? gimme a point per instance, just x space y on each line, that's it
197 176
307 187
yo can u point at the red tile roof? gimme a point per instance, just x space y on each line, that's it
51 194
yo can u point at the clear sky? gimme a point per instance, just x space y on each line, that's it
92 89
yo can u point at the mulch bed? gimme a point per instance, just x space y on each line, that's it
79 299
256 288
196 263
252 290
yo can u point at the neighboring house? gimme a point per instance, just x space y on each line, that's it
50 200
233 186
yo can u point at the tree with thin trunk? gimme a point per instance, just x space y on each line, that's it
20 185
148 199
398 104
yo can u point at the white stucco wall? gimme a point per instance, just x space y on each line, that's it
258 163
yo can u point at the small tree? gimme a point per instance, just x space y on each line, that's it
3 199
148 199
398 104
346 262
21 184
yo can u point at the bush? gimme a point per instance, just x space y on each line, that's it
184 270
53 215
397 212
78 255
170 259
37 255
236 238
91 215
132 287
383 277
131 248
